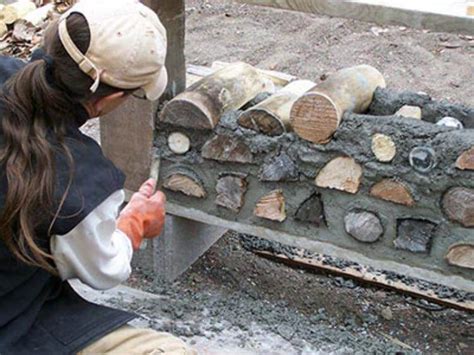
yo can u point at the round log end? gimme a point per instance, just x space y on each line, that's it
315 117
186 112
262 121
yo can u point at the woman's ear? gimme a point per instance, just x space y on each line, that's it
108 103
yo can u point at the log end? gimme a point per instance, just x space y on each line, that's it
186 112
185 184
272 207
461 255
262 121
315 117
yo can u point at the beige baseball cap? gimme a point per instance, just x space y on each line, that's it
127 48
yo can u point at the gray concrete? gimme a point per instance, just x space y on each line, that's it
437 15
182 242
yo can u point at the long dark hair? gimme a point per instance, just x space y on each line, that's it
36 102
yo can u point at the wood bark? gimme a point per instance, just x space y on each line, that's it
172 15
343 174
392 191
272 116
318 113
13 12
461 255
278 78
185 183
202 104
272 206
227 149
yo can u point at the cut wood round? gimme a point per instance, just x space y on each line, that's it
179 143
231 191
383 148
458 205
392 191
227 149
16 11
203 103
461 255
272 116
343 174
186 183
318 113
272 206
363 226
466 160
408 111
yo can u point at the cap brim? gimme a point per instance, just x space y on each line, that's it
157 86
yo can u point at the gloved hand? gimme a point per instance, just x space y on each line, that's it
144 215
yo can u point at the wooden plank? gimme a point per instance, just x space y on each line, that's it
363 274
127 139
372 11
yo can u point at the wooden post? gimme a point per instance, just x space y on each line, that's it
127 133
172 15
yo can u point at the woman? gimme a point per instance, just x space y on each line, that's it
59 195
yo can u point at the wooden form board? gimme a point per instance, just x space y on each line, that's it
384 12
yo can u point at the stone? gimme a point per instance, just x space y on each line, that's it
227 149
415 235
312 211
272 206
343 174
279 168
387 313
461 255
422 159
466 160
184 183
458 205
231 192
383 148
450 122
409 112
393 191
363 226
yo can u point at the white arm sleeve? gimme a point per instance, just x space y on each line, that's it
95 251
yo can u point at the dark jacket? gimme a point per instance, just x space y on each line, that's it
38 312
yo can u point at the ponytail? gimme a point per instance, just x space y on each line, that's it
36 104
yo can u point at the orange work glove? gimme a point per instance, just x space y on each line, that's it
144 215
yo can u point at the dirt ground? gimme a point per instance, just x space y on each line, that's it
308 46
242 304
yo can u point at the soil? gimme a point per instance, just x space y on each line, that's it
239 303
311 46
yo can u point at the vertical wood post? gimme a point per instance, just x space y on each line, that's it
127 134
